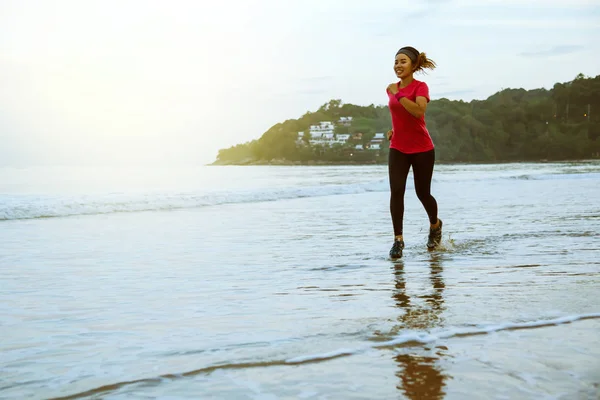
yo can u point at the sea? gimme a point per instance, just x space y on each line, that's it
274 282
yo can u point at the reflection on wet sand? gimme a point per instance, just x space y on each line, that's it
420 375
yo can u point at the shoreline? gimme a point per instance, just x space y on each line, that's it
280 162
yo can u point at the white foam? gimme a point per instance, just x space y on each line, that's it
46 206
427 337
28 207
422 337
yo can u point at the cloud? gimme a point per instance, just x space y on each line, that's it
428 9
311 92
522 4
556 50
528 23
316 79
312 85
454 93
113 87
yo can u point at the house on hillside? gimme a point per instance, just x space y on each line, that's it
323 139
346 121
357 136
323 134
342 137
375 143
323 127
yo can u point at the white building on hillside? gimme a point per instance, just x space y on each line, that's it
342 137
325 139
322 128
322 134
346 121
377 141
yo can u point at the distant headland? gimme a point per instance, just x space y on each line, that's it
562 123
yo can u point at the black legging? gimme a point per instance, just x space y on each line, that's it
398 166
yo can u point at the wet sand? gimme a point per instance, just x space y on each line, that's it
296 298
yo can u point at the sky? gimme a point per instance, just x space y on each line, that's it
170 83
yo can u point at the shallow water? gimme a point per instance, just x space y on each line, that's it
274 282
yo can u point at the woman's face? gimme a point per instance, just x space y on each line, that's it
403 66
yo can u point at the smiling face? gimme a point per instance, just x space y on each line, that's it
403 66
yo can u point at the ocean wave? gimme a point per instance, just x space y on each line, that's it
427 337
15 207
413 338
558 176
34 207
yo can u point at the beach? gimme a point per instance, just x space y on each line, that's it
273 282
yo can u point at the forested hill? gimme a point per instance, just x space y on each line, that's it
512 125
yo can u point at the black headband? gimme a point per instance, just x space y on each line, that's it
413 54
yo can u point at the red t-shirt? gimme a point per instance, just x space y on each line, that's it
410 133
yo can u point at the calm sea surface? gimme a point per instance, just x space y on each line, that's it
274 283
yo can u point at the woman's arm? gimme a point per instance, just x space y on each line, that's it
415 108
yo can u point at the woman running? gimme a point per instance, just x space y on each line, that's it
410 145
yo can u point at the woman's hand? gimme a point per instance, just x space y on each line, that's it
390 133
393 88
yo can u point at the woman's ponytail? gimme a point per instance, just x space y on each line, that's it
424 63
